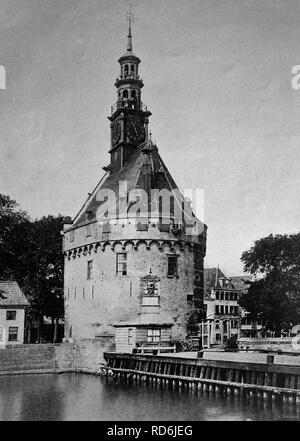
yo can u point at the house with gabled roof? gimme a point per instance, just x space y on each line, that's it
221 296
13 304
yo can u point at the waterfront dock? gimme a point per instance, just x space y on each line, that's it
266 381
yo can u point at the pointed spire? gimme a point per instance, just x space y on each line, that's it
130 18
129 39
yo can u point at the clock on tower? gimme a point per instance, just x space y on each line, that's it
129 116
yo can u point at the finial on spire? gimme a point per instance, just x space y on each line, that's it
131 18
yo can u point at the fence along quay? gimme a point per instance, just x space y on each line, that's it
265 381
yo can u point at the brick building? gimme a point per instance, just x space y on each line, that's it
134 253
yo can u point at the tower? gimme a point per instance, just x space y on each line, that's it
129 116
134 253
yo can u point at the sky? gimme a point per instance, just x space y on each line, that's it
217 80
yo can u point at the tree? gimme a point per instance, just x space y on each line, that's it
275 296
14 226
43 283
30 252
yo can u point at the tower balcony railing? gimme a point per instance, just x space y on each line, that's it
131 76
128 103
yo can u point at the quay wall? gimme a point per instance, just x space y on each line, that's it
28 358
84 355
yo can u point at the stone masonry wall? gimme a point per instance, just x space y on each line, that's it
84 355
93 306
28 358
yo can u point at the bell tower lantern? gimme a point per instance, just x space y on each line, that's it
129 116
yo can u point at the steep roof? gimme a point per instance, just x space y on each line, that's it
143 165
212 276
11 294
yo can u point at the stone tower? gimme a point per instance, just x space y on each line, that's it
134 253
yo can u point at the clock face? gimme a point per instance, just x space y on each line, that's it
135 131
116 132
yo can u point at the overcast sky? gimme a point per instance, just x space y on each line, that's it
217 79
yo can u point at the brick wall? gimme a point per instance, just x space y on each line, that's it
27 358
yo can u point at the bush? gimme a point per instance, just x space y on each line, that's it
232 344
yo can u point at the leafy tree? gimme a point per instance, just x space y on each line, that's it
14 226
275 296
43 282
30 252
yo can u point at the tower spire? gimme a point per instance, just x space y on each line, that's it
131 19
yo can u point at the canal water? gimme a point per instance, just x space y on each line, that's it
69 397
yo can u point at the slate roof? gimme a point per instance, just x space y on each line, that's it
144 160
11 294
212 275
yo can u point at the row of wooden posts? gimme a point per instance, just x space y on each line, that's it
199 375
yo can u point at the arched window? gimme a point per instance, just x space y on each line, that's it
126 69
133 94
125 94
132 68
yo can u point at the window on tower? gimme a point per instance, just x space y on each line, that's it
90 270
122 264
172 266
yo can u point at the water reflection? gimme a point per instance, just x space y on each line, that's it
29 397
86 397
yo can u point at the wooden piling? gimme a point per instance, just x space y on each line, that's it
209 376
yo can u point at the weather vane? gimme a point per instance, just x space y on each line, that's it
130 15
